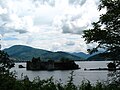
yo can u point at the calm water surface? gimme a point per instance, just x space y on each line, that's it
80 74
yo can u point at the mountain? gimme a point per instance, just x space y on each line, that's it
81 54
96 57
21 52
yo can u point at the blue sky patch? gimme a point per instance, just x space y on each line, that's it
9 38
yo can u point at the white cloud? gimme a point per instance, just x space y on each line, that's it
3 10
47 24
79 17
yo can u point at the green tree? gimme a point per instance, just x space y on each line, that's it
106 31
7 79
5 63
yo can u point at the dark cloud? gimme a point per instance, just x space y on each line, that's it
79 2
52 2
73 29
5 30
73 18
20 31
49 2
66 29
5 17
70 43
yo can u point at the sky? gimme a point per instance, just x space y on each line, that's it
54 25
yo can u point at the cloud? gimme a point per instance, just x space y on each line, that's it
5 30
70 43
47 24
3 10
21 31
71 28
56 47
43 2
79 17
73 16
77 2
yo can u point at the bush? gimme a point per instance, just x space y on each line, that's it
9 82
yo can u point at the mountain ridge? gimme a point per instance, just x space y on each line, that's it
81 54
22 52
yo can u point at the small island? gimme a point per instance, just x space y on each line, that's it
37 64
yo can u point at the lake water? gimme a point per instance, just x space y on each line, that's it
80 74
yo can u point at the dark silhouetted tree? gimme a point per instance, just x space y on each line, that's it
106 32
5 63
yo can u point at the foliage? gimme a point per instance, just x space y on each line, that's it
64 59
9 82
5 62
70 85
106 32
85 85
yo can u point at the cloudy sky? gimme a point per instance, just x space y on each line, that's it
54 25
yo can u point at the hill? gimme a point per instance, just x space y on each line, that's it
84 55
81 54
96 57
21 52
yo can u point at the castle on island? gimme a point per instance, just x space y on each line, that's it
37 64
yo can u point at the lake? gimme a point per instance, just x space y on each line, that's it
80 74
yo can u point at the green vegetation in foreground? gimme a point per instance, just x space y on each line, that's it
9 82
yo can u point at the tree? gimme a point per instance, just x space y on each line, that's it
5 63
106 31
